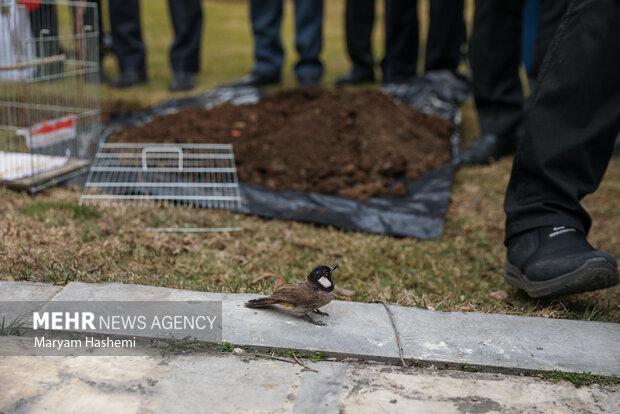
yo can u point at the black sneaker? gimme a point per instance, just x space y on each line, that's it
356 78
488 148
309 82
182 81
128 78
557 260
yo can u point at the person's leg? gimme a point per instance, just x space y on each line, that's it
127 35
495 53
446 35
359 20
92 17
309 39
569 131
266 18
495 57
44 26
531 10
187 23
185 51
401 41
549 16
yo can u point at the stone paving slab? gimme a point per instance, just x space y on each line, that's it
219 383
364 330
32 296
510 341
79 291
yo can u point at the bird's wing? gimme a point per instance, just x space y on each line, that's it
299 294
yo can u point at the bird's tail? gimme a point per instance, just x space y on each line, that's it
260 302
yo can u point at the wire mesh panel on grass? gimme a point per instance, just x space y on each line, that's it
165 175
50 107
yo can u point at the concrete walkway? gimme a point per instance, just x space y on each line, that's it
242 383
224 382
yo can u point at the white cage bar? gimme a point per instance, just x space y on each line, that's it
50 106
164 175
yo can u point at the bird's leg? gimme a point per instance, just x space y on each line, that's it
318 312
312 321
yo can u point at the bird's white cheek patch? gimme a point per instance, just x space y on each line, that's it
325 282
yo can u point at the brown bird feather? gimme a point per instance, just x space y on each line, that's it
304 297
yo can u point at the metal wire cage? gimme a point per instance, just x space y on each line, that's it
166 175
50 105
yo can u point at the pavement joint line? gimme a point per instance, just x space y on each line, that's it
450 340
53 298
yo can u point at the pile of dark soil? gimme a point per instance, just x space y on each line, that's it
352 143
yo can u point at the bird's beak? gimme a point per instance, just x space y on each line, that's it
331 269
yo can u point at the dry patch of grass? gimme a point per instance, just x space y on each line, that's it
49 238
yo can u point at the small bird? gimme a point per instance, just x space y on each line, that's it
304 297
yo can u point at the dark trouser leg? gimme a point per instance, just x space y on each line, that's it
44 26
91 17
571 122
550 14
187 22
446 35
359 20
495 53
401 41
266 18
127 35
309 38
44 21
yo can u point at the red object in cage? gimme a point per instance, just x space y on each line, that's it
30 4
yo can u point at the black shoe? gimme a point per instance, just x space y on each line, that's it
128 78
557 260
308 82
487 148
256 80
182 81
355 78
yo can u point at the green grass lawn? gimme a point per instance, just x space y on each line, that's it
47 237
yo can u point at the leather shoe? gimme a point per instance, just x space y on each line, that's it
128 78
182 81
308 81
256 80
355 78
487 148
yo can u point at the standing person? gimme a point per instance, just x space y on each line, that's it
495 57
130 50
569 131
266 16
443 47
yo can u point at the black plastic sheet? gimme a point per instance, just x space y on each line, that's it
420 214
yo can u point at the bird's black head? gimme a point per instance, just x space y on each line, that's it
322 277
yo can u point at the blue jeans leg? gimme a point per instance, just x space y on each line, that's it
309 37
266 18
